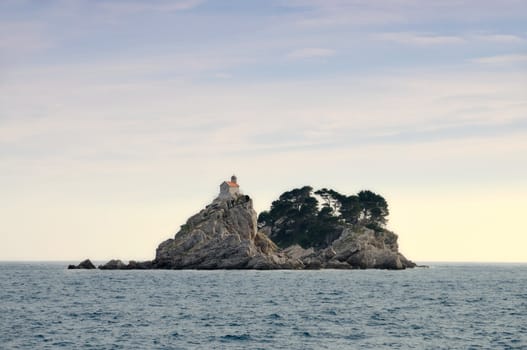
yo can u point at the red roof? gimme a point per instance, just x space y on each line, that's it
232 184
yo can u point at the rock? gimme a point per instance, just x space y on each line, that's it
114 264
297 252
85 264
222 236
365 248
359 248
335 264
139 265
117 264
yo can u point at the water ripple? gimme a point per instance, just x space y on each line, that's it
44 306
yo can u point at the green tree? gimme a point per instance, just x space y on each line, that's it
332 199
351 209
295 217
374 208
291 216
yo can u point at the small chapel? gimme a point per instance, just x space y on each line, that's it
230 189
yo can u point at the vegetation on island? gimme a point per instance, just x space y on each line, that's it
316 218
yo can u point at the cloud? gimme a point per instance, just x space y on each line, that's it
502 38
479 9
431 39
501 59
143 6
361 13
165 118
310 52
121 72
419 39
222 75
23 37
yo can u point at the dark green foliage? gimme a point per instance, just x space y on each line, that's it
332 199
374 208
293 214
350 209
295 218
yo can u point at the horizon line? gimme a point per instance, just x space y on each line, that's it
421 262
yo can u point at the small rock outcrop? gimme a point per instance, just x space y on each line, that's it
116 264
222 236
85 264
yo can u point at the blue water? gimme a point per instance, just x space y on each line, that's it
45 306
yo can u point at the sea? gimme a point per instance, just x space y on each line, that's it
445 306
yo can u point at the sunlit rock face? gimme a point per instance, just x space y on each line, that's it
222 236
366 248
362 248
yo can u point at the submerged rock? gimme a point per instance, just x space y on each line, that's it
85 264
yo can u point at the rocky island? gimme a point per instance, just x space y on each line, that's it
302 230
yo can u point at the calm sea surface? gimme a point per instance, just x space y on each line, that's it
45 306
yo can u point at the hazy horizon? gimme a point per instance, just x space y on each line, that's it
420 263
119 119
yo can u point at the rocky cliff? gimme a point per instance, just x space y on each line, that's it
222 236
360 248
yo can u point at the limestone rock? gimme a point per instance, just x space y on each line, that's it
359 248
222 236
365 248
297 252
114 264
85 264
139 265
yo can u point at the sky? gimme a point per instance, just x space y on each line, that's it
119 119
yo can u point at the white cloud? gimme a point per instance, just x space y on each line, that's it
419 39
311 52
501 38
141 6
501 59
44 110
330 12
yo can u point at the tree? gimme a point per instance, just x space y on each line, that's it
291 216
351 209
295 217
374 208
332 199
326 229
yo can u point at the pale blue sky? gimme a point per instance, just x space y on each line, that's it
118 119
